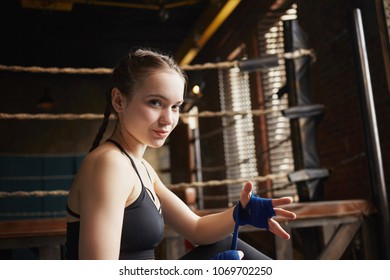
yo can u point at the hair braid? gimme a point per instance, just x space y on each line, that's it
102 128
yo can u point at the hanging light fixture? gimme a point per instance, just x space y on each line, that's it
46 102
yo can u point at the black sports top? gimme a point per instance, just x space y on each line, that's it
142 231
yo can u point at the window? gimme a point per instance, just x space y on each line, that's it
278 127
238 134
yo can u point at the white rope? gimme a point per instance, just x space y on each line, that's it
104 71
215 183
34 193
212 183
25 116
56 70
89 116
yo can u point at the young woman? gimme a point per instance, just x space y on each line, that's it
117 205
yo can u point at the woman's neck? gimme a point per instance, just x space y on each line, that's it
137 150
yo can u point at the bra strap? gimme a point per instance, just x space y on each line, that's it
72 213
131 160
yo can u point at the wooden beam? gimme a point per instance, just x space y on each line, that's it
208 23
340 241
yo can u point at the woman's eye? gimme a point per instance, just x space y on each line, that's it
176 107
155 102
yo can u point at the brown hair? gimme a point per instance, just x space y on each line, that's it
128 73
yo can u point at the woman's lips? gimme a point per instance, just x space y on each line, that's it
161 133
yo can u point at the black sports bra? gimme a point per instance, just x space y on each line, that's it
142 230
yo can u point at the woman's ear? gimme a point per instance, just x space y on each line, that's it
117 100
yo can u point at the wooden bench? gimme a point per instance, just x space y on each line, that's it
340 220
48 235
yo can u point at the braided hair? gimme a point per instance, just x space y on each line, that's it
130 71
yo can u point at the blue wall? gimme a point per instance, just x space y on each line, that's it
22 173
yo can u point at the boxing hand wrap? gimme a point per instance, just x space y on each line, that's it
256 212
227 255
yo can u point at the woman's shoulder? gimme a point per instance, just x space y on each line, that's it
104 159
107 152
104 168
102 180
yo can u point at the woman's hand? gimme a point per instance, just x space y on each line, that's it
273 225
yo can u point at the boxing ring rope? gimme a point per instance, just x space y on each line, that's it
91 116
68 117
212 183
34 193
244 65
179 186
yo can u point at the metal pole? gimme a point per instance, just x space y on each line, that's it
199 176
371 133
194 127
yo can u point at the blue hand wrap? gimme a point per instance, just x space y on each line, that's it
227 255
256 213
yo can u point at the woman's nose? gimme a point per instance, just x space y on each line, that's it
166 117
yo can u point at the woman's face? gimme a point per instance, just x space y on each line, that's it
153 111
